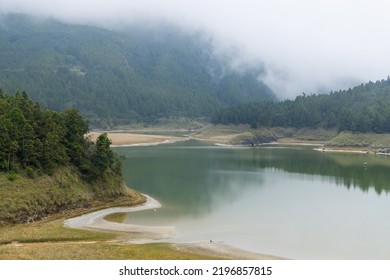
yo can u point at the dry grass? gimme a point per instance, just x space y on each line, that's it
95 251
220 133
367 140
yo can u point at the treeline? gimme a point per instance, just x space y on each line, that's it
364 108
36 141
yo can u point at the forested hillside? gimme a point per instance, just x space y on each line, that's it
140 73
47 165
364 108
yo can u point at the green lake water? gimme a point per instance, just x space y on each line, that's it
287 201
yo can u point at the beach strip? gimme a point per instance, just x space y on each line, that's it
96 221
134 139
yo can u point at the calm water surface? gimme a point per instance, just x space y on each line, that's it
288 201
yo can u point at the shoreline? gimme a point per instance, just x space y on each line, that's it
95 221
151 234
129 139
145 144
124 139
339 150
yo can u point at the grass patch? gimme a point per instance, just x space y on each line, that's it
95 251
220 133
52 231
254 137
218 130
318 134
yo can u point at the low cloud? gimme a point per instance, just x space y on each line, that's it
304 45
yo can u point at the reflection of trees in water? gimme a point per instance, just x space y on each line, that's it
194 179
345 169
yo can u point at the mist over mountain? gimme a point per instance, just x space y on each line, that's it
137 74
304 46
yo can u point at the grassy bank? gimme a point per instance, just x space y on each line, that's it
33 212
24 199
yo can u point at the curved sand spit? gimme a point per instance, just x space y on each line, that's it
96 221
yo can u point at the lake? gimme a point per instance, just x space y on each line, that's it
292 202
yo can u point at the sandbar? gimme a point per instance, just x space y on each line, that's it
133 139
96 221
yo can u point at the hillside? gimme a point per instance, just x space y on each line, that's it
24 199
364 108
46 163
138 74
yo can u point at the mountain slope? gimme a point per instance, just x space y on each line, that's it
364 108
138 74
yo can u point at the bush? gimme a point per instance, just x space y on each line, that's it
30 172
12 176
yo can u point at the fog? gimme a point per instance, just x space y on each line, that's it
304 45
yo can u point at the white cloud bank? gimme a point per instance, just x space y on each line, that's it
305 45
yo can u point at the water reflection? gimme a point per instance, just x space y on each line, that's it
350 170
288 201
188 174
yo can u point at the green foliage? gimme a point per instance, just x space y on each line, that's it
103 157
138 74
365 108
12 176
40 141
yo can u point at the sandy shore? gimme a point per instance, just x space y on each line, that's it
133 139
148 234
340 150
96 221
221 250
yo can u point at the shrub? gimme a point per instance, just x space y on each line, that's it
12 176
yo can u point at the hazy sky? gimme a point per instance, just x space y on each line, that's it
305 45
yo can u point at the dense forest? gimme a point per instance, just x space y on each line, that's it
137 74
35 141
364 108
